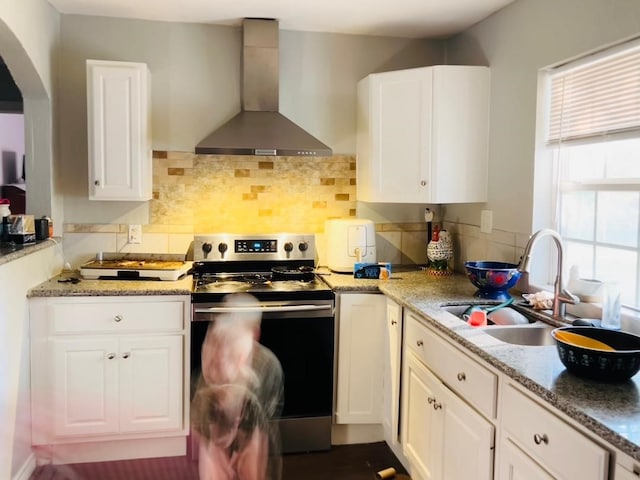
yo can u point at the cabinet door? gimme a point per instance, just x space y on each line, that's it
622 473
423 135
467 440
421 424
460 137
118 131
400 135
85 386
391 378
151 386
360 358
514 464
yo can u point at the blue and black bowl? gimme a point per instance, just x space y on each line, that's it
608 366
493 279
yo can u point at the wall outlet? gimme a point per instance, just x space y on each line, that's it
486 221
135 234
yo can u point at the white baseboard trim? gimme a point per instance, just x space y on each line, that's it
350 434
27 468
113 450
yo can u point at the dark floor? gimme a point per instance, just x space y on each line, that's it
343 462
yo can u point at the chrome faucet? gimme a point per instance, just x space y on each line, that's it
561 296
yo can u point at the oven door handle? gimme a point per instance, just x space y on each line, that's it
264 308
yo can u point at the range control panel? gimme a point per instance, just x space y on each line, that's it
256 246
288 246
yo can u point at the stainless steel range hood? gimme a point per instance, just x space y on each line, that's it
259 129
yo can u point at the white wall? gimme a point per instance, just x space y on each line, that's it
28 38
516 42
29 32
16 278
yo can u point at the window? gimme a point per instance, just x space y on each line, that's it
593 138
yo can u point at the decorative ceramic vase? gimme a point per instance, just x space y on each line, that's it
440 253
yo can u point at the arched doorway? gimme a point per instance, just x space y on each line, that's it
39 172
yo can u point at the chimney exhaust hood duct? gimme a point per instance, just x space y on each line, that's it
259 129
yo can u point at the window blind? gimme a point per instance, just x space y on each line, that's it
596 97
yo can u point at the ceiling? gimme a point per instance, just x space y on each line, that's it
393 18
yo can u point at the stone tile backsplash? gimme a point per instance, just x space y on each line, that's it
251 194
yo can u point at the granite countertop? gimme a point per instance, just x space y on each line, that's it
611 411
10 251
65 285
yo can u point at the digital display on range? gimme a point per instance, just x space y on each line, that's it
256 246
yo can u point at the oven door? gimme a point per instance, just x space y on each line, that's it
301 335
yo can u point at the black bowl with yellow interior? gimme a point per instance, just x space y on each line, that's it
611 366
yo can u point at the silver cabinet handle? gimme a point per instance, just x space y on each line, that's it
118 318
111 356
461 376
432 401
540 439
423 183
393 322
125 355
419 343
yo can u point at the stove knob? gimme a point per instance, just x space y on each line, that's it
222 247
288 247
303 246
206 247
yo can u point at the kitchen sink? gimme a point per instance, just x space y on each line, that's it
538 334
516 324
505 316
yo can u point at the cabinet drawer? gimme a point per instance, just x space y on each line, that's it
564 452
118 317
462 374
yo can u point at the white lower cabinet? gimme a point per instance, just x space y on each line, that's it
361 327
533 436
622 473
107 368
392 372
517 465
117 385
443 437
460 419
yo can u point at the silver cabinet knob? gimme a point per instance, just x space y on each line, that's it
540 439
118 318
111 356
419 343
96 183
461 377
423 183
393 322
125 355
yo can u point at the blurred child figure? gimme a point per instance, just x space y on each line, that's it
238 397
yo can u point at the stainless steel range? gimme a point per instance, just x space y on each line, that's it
297 320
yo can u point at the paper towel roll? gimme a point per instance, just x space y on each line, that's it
386 473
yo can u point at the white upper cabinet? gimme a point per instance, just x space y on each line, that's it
119 131
423 135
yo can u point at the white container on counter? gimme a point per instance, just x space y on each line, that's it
349 241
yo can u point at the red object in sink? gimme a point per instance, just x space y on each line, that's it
478 318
